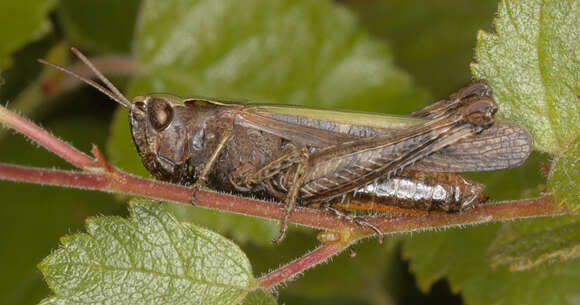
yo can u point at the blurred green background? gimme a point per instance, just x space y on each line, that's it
384 56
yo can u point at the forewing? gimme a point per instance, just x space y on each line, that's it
321 127
504 145
295 131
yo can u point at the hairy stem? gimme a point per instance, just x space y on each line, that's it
122 182
299 265
44 138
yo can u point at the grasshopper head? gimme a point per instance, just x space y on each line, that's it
174 136
480 112
159 126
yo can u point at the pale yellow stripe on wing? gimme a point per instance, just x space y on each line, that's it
343 117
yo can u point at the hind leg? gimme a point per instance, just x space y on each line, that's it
296 159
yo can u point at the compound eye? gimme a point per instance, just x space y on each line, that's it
160 113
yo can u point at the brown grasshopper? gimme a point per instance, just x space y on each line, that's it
334 159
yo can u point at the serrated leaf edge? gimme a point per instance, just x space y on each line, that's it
133 204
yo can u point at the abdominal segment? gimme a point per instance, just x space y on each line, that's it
415 192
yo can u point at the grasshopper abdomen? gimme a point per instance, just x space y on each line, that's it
416 191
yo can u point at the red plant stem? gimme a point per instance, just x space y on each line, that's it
299 265
44 138
122 182
506 210
126 183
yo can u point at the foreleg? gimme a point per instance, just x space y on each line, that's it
202 178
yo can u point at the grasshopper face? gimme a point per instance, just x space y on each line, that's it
159 129
175 136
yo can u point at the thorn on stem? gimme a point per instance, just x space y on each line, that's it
101 161
352 252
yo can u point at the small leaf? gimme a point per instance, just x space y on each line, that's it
533 65
523 245
148 259
461 256
565 175
21 22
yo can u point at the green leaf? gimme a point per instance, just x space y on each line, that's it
148 259
460 255
533 65
303 52
432 40
103 25
523 245
21 22
564 177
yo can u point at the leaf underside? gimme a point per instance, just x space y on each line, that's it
523 245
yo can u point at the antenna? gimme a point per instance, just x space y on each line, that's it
111 91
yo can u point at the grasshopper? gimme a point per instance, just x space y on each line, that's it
334 159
